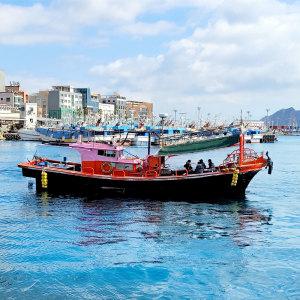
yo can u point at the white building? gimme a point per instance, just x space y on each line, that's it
30 115
66 104
106 111
11 99
9 113
118 101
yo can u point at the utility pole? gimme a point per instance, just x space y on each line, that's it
268 109
208 118
241 116
248 114
181 117
175 115
199 110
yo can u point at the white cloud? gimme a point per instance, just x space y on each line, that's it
150 29
240 53
138 71
62 21
235 62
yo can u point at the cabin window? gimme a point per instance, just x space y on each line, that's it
110 153
120 166
107 153
128 167
101 152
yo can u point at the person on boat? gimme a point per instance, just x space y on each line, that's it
203 163
188 166
211 165
200 167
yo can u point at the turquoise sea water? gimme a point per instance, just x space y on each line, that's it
114 248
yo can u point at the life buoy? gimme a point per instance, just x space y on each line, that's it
106 168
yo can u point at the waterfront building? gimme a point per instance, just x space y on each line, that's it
41 99
15 88
65 103
30 115
106 111
9 114
90 103
11 99
139 110
119 103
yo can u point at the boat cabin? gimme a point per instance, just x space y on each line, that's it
107 159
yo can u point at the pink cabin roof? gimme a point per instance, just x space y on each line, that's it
89 152
98 146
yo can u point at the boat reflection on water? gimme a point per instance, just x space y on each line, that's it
113 221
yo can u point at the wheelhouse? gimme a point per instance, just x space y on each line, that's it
105 159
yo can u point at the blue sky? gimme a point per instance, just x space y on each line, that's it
223 56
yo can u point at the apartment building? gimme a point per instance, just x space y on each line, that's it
65 102
119 103
106 111
15 88
139 110
90 103
11 99
41 99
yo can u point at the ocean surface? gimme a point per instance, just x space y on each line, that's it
120 248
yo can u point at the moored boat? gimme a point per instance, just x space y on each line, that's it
257 136
29 135
197 143
104 167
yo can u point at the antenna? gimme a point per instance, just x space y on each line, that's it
175 115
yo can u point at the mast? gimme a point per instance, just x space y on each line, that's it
149 141
242 147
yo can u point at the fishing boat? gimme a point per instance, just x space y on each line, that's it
258 136
141 138
28 134
105 167
194 143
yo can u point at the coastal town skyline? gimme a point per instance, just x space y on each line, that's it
177 55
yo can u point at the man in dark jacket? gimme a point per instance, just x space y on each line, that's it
188 166
211 165
200 167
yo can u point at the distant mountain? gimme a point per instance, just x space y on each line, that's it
288 116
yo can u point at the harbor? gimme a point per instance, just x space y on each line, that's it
71 241
90 197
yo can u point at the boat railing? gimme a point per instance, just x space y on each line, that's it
234 157
151 173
